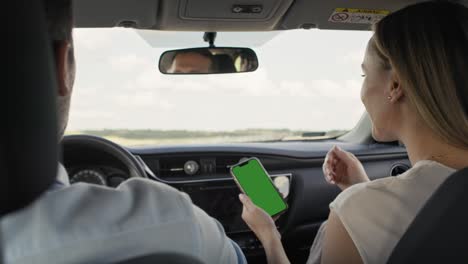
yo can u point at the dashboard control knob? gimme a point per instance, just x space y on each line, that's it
191 167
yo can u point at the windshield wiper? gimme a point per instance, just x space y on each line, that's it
313 135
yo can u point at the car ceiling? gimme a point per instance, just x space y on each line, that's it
218 15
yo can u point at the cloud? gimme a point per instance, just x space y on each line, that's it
244 84
93 39
119 86
295 88
129 63
354 57
336 89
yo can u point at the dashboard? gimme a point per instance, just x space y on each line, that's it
93 165
97 174
202 171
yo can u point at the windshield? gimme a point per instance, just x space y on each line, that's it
307 86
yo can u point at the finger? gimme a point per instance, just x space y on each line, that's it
329 165
333 178
325 164
325 169
334 158
343 155
330 159
353 156
327 175
245 200
328 178
245 213
330 171
327 157
333 153
332 165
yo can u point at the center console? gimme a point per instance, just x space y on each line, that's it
207 181
220 200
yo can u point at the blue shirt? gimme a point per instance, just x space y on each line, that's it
85 223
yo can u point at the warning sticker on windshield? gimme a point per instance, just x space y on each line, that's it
357 16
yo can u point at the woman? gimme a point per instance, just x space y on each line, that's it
415 90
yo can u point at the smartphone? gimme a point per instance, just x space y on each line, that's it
253 180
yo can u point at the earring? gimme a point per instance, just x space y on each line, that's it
389 98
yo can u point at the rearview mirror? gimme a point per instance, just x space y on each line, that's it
208 61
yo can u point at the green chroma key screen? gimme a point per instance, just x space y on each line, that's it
256 183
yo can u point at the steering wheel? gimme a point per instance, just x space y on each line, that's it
94 143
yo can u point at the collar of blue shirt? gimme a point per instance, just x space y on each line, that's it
62 179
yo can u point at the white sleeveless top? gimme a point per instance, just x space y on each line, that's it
376 214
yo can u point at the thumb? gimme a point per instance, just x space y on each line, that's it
245 200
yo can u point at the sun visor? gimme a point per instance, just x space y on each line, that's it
182 15
216 15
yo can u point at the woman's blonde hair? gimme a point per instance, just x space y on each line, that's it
427 46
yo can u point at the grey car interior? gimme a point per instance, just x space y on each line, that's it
215 15
438 234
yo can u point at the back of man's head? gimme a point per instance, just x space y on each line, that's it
59 17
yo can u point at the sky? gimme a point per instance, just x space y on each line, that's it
307 80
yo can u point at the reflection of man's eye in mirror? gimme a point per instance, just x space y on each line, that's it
191 62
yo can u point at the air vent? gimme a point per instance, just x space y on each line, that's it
177 167
174 166
399 168
224 163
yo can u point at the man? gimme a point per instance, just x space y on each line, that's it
192 62
91 224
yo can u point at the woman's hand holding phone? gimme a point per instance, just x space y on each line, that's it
259 221
252 178
263 225
343 168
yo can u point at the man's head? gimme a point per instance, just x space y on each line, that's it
192 62
59 19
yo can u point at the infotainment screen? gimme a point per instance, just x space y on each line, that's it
221 201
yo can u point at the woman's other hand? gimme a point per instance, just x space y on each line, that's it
343 168
259 221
